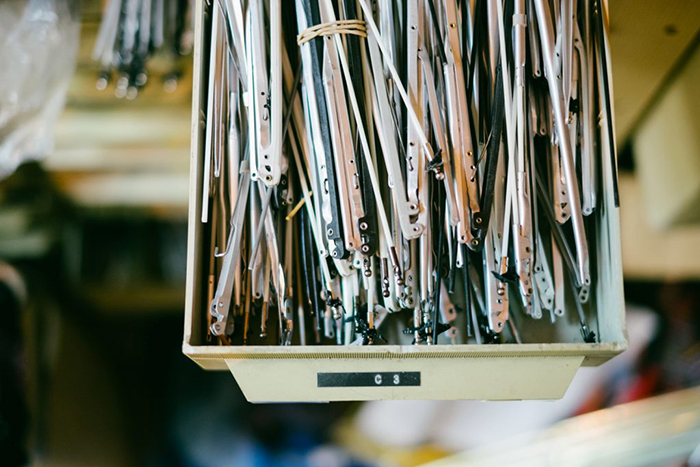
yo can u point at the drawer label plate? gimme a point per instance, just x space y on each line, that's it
368 379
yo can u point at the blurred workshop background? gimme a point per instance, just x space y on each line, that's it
92 270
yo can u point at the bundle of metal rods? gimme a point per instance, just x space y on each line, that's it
131 32
403 172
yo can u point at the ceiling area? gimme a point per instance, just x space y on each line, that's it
649 40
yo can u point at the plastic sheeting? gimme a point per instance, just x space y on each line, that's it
38 48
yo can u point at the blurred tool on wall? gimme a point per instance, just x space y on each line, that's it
132 32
